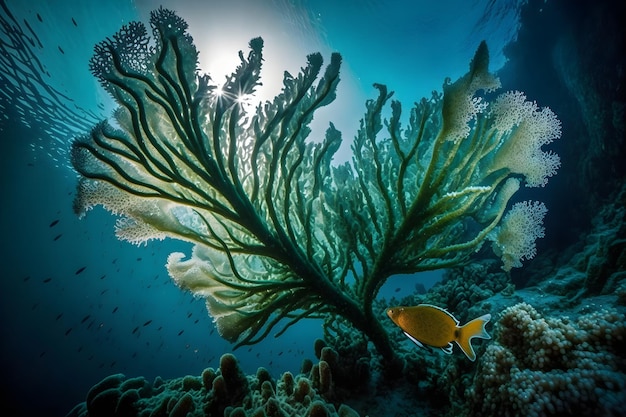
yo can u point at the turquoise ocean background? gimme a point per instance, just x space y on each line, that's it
76 304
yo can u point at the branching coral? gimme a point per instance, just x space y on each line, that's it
280 233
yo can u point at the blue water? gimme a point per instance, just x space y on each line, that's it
76 303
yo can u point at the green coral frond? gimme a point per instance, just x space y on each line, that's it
428 195
281 234
192 164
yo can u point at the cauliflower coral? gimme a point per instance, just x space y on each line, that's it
542 366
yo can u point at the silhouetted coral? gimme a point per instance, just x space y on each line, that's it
280 232
222 392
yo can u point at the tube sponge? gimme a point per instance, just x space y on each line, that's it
325 378
183 407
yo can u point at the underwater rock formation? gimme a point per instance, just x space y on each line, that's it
596 264
280 234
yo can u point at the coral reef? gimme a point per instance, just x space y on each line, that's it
549 356
566 360
552 366
537 365
468 292
280 234
223 392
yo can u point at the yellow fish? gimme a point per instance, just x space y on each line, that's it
430 325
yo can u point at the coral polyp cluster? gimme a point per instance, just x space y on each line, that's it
549 366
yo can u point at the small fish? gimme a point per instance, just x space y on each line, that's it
39 18
181 332
68 331
85 319
114 310
147 323
74 21
79 270
61 50
54 223
433 326
135 329
47 280
59 316
57 237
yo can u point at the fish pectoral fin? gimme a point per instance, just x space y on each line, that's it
447 349
417 342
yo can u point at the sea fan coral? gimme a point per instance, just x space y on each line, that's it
280 233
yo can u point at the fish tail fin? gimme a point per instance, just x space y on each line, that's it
475 328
